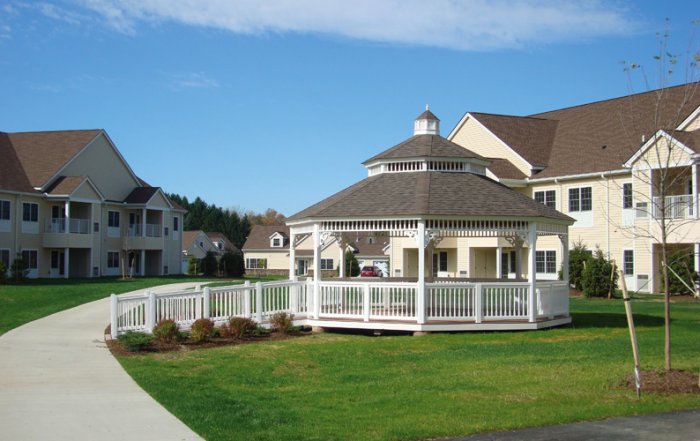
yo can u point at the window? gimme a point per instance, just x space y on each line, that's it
628 262
641 210
326 264
96 227
166 270
113 219
546 262
627 195
580 199
513 261
166 231
4 210
176 223
255 263
276 242
548 198
30 259
113 259
5 258
30 212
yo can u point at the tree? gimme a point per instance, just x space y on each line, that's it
209 264
231 264
193 266
352 267
578 256
659 172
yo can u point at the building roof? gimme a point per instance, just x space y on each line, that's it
216 236
504 169
425 146
360 242
259 237
428 194
428 115
188 237
39 155
65 185
688 139
141 195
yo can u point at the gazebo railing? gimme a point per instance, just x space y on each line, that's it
356 300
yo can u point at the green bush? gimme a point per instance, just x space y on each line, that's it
209 264
595 279
681 262
193 266
261 331
134 341
282 322
201 330
239 327
3 273
166 331
18 268
232 264
578 256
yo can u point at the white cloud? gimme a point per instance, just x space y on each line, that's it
193 80
456 24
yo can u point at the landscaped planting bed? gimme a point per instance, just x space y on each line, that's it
358 387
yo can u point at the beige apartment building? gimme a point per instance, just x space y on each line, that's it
603 164
71 206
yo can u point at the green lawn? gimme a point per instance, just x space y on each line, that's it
34 299
351 387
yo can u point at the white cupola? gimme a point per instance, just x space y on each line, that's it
426 123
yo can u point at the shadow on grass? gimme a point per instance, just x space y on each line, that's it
612 320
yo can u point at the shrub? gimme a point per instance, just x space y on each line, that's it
201 330
681 262
193 266
166 331
209 264
134 341
578 256
232 265
595 279
282 322
3 273
261 331
18 268
240 327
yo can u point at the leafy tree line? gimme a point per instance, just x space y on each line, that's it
232 224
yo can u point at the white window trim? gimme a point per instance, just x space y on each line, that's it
9 203
118 259
556 257
623 195
324 264
580 200
624 269
33 272
544 192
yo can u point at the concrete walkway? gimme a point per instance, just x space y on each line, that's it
58 381
671 426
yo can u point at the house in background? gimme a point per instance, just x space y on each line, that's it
599 163
73 207
197 243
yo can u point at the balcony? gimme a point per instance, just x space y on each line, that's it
74 226
67 233
675 207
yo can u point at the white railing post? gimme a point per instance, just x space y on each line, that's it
293 300
114 317
309 298
258 301
366 301
317 299
478 308
207 306
151 317
552 301
246 300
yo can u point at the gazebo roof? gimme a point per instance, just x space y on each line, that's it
429 193
426 146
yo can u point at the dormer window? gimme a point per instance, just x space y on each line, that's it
276 242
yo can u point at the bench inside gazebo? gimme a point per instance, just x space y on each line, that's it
424 193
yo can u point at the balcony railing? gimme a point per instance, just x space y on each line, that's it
134 230
154 230
675 207
74 226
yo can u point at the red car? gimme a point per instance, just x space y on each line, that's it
370 271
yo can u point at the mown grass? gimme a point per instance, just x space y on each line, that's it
33 299
353 387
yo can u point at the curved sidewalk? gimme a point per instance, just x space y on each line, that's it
58 381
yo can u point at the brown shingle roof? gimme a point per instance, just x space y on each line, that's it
688 139
601 136
428 193
12 175
41 154
425 145
141 195
188 237
531 138
428 115
65 185
504 169
259 237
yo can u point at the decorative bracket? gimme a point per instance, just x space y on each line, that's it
299 238
432 239
517 240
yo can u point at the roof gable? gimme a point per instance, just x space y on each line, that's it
260 237
666 148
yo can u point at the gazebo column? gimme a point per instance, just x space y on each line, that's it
564 238
420 287
317 271
292 256
531 271
499 268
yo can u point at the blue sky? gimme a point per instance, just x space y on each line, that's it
253 104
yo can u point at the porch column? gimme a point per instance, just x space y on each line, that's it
531 271
292 255
564 238
695 194
499 269
420 287
143 227
317 271
341 261
66 265
143 263
67 219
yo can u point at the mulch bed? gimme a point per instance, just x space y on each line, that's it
662 382
187 345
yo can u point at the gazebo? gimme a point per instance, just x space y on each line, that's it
423 192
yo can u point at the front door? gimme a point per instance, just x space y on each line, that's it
302 267
58 263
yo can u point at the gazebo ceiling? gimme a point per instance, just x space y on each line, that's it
429 193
